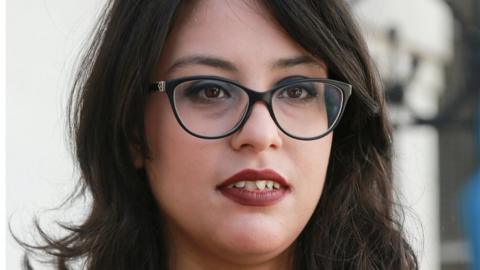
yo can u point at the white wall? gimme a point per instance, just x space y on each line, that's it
2 135
43 41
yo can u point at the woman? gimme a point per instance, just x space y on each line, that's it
204 133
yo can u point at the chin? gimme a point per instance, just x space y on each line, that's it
255 245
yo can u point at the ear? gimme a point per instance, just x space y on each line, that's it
137 156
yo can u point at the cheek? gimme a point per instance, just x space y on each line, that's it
174 173
311 162
315 158
168 147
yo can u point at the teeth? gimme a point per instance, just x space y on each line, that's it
270 184
261 184
256 185
250 185
240 184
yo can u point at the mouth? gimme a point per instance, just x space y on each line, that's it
255 187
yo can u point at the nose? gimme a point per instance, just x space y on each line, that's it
259 132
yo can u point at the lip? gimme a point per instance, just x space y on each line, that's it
254 175
255 197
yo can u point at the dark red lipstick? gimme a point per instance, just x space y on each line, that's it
255 197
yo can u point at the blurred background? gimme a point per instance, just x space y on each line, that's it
427 53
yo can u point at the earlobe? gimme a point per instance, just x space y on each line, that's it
137 157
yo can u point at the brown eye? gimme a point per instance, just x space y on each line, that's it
212 92
299 93
295 92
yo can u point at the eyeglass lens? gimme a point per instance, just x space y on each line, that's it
212 108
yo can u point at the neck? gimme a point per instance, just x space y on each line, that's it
189 261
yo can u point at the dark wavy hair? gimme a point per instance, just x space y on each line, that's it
357 223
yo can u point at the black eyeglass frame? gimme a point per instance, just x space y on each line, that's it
169 86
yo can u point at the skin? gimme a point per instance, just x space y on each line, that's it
206 230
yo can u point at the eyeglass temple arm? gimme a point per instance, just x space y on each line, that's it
158 86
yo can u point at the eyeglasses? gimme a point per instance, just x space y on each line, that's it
211 107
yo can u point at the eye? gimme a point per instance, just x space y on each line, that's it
207 91
212 92
297 92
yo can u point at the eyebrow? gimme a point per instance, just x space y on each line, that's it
204 60
220 63
295 61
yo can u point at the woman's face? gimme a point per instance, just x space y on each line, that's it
186 173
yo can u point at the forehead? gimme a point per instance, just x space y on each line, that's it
244 32
248 12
